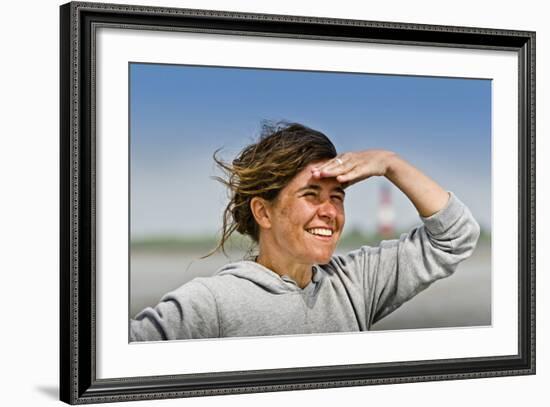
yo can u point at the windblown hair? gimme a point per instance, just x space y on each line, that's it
263 169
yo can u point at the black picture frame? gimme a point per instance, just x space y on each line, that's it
78 381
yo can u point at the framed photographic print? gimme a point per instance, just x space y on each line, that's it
234 183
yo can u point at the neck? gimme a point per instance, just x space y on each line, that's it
300 273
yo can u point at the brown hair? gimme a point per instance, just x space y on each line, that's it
263 168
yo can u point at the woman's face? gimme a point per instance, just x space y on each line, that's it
307 218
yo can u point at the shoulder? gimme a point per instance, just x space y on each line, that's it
360 257
195 293
226 281
218 283
347 267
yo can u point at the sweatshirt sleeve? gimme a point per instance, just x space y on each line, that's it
185 313
397 270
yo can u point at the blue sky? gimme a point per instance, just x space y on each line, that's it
180 114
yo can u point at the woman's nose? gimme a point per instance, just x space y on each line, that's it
327 209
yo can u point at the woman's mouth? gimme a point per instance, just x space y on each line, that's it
320 232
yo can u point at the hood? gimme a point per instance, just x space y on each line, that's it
264 277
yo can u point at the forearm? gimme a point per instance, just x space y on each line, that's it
188 312
425 254
426 195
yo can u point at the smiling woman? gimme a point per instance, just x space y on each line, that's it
287 195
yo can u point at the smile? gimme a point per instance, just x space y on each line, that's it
320 232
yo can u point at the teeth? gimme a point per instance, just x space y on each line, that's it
320 231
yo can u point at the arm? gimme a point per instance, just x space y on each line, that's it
399 269
188 312
349 168
395 271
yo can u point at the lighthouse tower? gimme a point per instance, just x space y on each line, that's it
386 213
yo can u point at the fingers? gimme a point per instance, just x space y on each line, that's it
352 167
334 167
349 177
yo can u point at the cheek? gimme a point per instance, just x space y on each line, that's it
342 216
284 211
288 221
297 214
295 223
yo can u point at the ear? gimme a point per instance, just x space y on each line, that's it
261 211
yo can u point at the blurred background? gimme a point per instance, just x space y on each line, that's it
180 115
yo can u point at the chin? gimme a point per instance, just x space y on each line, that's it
323 259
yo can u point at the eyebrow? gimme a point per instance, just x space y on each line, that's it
317 187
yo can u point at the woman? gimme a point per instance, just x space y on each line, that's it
287 194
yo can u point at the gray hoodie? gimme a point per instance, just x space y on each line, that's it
348 294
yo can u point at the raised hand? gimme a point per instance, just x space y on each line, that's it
349 168
355 166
